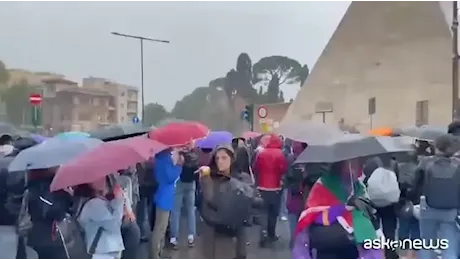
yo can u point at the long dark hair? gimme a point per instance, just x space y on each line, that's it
242 161
229 151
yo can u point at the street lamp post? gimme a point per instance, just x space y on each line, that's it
455 60
141 39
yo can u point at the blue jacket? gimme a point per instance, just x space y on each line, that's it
167 174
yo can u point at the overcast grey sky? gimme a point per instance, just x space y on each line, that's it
73 38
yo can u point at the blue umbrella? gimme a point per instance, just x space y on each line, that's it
215 138
38 138
51 153
73 135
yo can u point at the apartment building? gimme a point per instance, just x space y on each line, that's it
68 107
125 97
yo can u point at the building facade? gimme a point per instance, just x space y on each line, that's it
126 97
68 107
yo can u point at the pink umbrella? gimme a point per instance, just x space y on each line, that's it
105 159
251 135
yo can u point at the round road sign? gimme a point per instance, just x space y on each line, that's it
262 112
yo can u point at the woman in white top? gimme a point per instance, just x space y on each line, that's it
102 213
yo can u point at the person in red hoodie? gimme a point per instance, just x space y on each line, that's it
270 165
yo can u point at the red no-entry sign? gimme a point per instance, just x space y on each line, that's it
35 99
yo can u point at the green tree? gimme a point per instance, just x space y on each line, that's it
16 99
276 70
4 75
217 83
231 84
244 81
303 74
273 90
191 106
154 113
281 97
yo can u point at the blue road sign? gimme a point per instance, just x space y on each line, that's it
136 120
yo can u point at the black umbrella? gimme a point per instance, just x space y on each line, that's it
424 132
350 146
11 130
120 131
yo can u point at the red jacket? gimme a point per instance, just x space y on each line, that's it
270 165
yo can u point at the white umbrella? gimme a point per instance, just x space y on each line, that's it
309 132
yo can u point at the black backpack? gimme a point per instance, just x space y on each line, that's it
442 177
233 200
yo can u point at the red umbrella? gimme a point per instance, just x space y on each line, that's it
251 135
179 133
105 159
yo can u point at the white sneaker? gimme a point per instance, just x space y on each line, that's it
283 218
191 241
173 241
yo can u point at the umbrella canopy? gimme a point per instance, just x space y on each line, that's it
307 132
38 138
214 139
51 153
424 132
350 146
107 158
180 133
119 131
72 135
6 128
250 135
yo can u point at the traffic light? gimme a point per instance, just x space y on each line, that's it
247 115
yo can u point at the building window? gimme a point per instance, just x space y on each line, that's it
122 94
122 105
421 113
76 100
96 101
122 119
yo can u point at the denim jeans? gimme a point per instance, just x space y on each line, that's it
283 207
439 224
185 196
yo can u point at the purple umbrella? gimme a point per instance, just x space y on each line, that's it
38 138
214 139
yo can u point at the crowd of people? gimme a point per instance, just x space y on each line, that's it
110 214
332 208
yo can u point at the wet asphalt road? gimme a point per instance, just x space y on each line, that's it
280 249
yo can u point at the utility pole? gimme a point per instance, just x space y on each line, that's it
141 39
455 59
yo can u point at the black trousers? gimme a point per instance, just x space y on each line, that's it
389 224
270 212
50 252
131 234
349 252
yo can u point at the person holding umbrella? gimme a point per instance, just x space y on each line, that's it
167 168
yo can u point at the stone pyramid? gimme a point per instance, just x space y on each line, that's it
396 52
